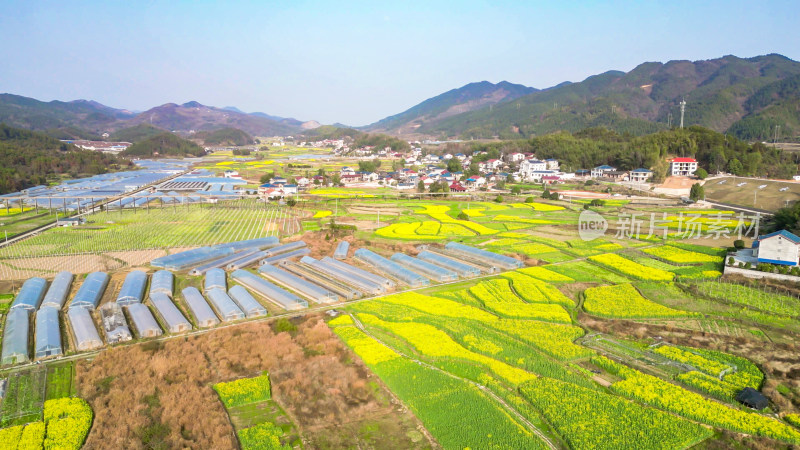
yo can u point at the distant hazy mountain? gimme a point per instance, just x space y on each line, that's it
467 98
75 119
747 97
198 117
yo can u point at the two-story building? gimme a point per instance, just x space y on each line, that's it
683 167
781 247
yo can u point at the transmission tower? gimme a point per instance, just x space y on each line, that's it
683 109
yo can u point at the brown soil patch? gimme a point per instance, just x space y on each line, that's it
374 210
329 394
48 265
678 183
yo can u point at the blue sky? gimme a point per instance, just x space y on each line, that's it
356 62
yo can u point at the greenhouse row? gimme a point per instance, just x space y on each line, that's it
285 256
91 291
59 289
335 273
30 294
226 308
47 341
383 281
273 293
83 329
483 256
390 268
215 279
297 284
203 314
246 260
341 250
462 269
143 321
339 288
199 256
169 313
161 282
430 270
222 262
132 290
15 339
246 302
285 248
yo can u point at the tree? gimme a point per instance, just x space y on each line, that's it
735 167
267 177
516 190
696 192
453 165
788 218
701 173
421 186
463 216
530 200
739 244
498 199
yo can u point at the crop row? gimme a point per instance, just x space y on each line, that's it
497 296
536 291
657 392
753 297
631 268
457 414
699 362
681 256
624 301
264 436
588 419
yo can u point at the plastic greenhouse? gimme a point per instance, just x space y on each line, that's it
273 293
341 250
47 341
162 282
391 268
215 279
190 258
297 284
222 262
285 248
83 329
30 295
203 314
284 256
333 285
483 256
169 313
143 321
132 290
114 325
247 260
375 278
246 301
461 268
59 289
351 279
225 306
15 338
431 271
259 243
91 291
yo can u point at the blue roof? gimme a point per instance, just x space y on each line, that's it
641 170
788 235
604 167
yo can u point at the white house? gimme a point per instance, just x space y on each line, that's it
347 171
640 175
552 164
780 247
601 171
516 157
683 167
529 166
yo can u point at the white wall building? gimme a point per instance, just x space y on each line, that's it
780 247
683 167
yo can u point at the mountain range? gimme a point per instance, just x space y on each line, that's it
750 98
743 96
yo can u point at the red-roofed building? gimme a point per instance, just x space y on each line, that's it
457 187
683 167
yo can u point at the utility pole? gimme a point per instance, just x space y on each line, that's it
683 109
669 120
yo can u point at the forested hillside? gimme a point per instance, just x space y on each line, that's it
746 97
28 158
135 134
164 145
224 136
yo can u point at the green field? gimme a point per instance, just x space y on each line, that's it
24 399
770 197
